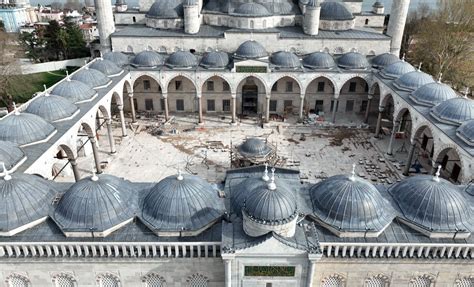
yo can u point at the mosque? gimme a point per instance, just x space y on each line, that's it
262 226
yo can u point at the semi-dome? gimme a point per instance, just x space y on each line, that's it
353 60
181 59
454 111
319 60
432 94
166 9
181 205
285 60
95 206
350 204
335 11
215 60
52 108
396 70
148 59
384 60
75 91
412 81
251 50
11 155
466 132
252 9
254 147
91 77
433 205
25 129
119 58
107 67
26 200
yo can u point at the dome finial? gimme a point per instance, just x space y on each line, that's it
353 172
46 94
15 109
265 173
6 174
180 176
466 92
440 77
94 176
85 65
403 57
67 76
419 66
437 174
272 185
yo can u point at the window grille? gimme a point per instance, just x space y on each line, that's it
197 280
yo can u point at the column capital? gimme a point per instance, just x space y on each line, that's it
164 95
130 95
228 257
302 96
336 96
233 95
198 94
120 107
370 97
267 96
381 109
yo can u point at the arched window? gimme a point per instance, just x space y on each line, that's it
153 280
334 280
465 282
264 23
18 280
251 24
366 21
197 280
134 19
377 281
108 280
129 49
64 280
421 281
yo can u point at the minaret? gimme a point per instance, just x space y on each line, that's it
311 18
191 16
396 25
105 23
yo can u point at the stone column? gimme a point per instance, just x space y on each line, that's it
111 136
234 107
301 107
367 110
199 100
396 125
132 107
267 109
96 154
411 153
309 277
75 170
336 102
228 272
379 122
167 113
122 121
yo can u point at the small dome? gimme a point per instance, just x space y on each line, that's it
378 4
252 9
285 60
241 191
350 204
181 59
100 203
251 50
412 81
148 59
353 60
107 67
52 108
181 203
93 78
166 9
436 205
432 94
119 58
466 132
396 70
335 11
25 129
11 155
454 111
254 147
75 91
215 60
319 60
384 60
26 198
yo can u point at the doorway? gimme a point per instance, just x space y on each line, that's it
249 100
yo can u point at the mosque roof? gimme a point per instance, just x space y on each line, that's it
331 10
181 59
91 77
107 67
252 9
166 9
25 128
285 60
11 155
466 132
119 58
432 94
75 91
148 59
251 50
396 70
454 111
383 60
254 147
319 60
353 60
52 108
412 81
215 60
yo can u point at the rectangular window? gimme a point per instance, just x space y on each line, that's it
275 87
226 105
363 106
332 105
319 107
178 85
146 85
366 87
424 142
455 173
352 87
162 104
288 105
149 104
210 85
321 86
270 271
289 86
180 105
273 105
225 86
211 105
349 105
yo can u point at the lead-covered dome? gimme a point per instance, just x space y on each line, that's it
412 81
25 129
91 77
52 108
215 60
181 205
319 61
148 59
454 111
254 147
11 155
252 9
432 94
466 132
331 10
251 50
119 58
353 60
384 60
285 60
25 201
350 204
107 67
433 205
95 206
181 59
396 70
166 9
75 91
